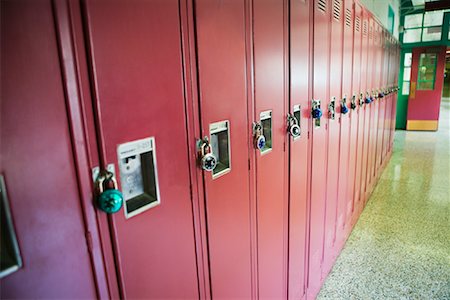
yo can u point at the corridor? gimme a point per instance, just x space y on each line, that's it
400 247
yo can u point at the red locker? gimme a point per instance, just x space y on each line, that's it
155 255
300 69
382 102
368 109
374 110
321 12
221 32
362 115
355 115
344 197
334 117
43 185
270 76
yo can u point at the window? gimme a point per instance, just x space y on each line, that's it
427 71
423 27
391 19
406 73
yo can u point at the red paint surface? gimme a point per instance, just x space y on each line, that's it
221 34
426 104
298 193
37 160
139 93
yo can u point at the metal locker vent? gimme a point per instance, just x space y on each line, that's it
358 24
322 5
370 32
365 28
337 10
348 17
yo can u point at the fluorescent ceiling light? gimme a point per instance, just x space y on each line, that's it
418 2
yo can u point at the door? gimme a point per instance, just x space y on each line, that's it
140 110
221 33
345 117
299 163
368 108
270 75
322 11
362 113
38 163
334 120
427 79
355 112
299 106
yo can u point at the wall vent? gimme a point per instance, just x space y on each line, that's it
348 17
358 24
337 10
322 5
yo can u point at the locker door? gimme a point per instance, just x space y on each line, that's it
334 119
300 95
38 163
355 113
381 101
386 86
376 105
362 114
139 102
270 49
322 10
373 106
344 197
222 66
389 97
368 109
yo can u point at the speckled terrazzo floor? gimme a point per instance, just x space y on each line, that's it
400 247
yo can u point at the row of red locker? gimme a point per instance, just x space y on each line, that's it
151 92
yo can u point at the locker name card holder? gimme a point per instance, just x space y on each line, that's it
138 175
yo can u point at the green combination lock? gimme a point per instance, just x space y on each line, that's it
109 200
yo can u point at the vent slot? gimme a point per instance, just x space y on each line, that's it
322 5
348 17
358 24
337 10
365 28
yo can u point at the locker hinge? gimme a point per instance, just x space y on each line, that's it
89 241
308 135
249 164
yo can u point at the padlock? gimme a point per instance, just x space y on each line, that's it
259 140
353 102
344 108
208 161
367 99
109 200
293 127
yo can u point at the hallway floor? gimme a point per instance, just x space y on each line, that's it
400 247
